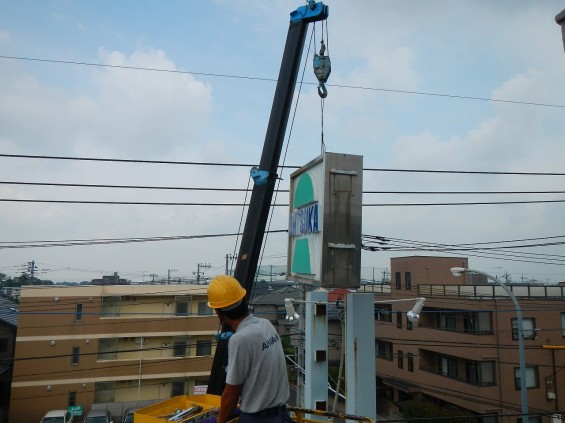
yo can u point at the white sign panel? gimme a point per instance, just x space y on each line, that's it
325 221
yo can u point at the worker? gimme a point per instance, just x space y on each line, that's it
256 375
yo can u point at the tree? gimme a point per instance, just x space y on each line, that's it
427 412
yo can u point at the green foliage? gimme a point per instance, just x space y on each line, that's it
427 412
22 280
287 346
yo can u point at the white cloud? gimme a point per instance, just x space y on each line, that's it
474 49
5 36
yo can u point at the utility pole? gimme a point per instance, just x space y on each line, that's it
169 275
507 278
31 268
229 257
198 272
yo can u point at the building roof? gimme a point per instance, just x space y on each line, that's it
8 312
111 290
277 295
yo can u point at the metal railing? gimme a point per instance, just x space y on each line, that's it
299 415
492 291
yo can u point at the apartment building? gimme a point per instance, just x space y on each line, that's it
8 328
84 345
464 353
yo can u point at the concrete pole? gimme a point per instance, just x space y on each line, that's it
316 352
360 355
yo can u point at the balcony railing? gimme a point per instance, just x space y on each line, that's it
492 291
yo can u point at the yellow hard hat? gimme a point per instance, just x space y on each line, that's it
224 291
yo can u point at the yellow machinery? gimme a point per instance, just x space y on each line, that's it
181 409
196 408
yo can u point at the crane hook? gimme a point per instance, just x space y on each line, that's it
322 69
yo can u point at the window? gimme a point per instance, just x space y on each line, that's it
383 313
72 398
182 305
408 324
400 355
407 280
398 281
203 348
383 349
110 306
563 324
489 418
399 319
107 349
529 326
75 355
410 362
178 387
103 392
477 323
531 419
446 321
447 366
180 346
532 377
479 373
78 313
203 309
181 309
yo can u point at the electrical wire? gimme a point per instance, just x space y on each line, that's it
104 241
254 78
171 162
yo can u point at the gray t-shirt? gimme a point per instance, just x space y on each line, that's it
256 360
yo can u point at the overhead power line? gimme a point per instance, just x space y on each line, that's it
256 78
100 241
483 249
248 165
152 187
128 203
164 203
53 184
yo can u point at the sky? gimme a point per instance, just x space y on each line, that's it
466 86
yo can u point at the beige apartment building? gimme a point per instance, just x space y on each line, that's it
85 345
464 351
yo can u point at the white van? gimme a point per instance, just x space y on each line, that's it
57 416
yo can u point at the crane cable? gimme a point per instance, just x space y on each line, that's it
322 69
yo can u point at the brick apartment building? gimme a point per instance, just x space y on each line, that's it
464 350
8 328
85 345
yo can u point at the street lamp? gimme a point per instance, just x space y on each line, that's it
458 271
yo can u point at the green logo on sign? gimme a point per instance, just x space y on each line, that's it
304 221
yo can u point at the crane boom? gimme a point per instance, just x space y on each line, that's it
266 175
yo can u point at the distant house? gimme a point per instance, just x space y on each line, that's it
110 280
11 292
8 328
